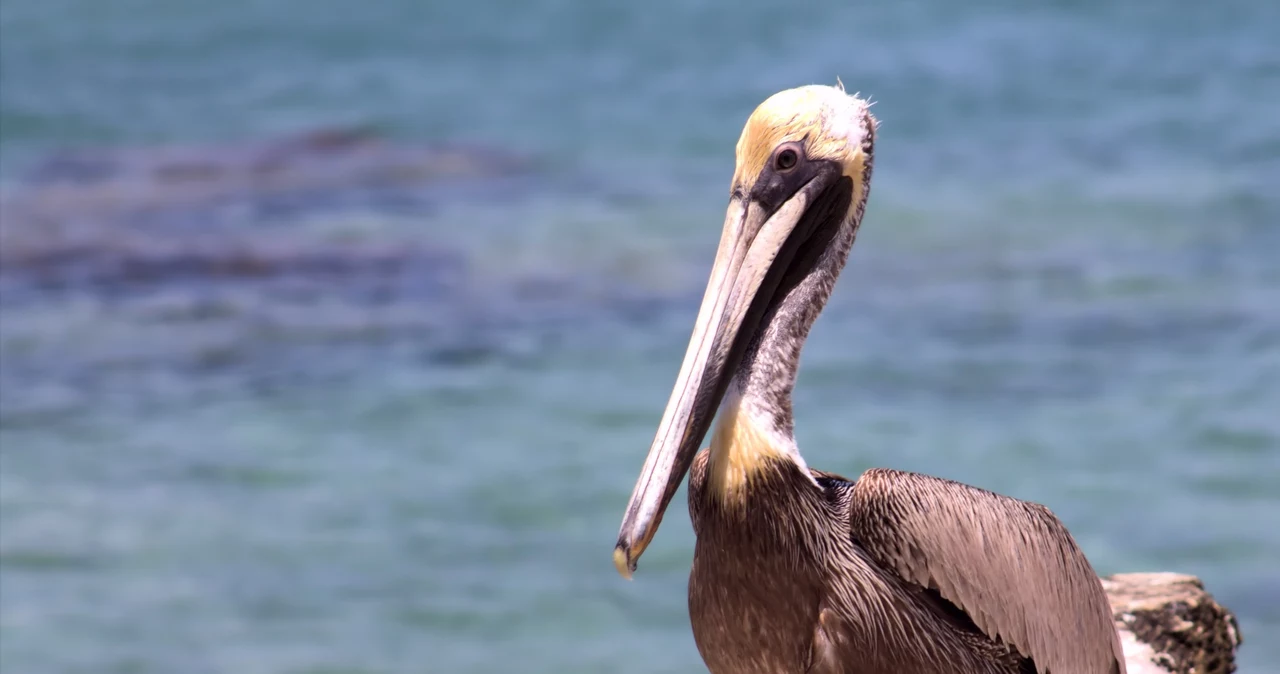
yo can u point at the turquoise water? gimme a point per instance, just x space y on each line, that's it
405 446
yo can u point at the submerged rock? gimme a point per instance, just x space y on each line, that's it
139 277
98 182
90 216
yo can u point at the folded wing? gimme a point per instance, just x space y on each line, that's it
1009 564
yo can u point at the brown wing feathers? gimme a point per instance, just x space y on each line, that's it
1009 564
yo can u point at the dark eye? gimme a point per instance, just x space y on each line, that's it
786 159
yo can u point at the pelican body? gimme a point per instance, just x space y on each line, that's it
801 571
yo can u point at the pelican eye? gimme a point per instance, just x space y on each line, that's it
786 159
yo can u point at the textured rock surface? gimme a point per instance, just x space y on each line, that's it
1169 623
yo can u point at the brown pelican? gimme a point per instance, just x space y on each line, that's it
798 570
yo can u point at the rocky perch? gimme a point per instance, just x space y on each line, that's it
1169 623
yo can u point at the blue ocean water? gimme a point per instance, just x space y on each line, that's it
352 431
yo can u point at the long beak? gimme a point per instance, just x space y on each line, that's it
755 250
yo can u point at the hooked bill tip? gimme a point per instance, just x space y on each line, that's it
622 560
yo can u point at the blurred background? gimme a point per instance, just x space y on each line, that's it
334 333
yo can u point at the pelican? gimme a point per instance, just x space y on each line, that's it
798 570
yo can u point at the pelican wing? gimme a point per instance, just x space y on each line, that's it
1010 565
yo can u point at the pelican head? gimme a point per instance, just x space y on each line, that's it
799 188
